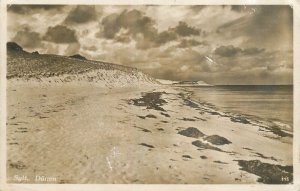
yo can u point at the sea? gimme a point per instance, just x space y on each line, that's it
267 102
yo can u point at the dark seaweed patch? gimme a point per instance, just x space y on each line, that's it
217 140
147 116
187 119
190 103
191 132
277 131
265 157
268 173
214 113
202 145
240 120
151 101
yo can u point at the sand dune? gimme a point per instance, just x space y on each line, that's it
32 68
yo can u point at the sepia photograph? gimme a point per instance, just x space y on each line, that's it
149 94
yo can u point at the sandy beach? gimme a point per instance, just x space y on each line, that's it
83 133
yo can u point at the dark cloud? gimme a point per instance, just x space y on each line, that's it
60 34
197 8
134 21
142 29
25 9
268 26
110 25
27 38
189 43
183 29
137 23
230 51
165 37
253 51
244 8
123 38
238 8
138 26
227 51
81 14
270 18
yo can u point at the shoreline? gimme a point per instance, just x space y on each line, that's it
254 119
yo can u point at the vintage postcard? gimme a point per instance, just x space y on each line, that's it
117 95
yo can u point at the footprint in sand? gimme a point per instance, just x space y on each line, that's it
18 165
187 156
146 145
203 157
220 162
165 114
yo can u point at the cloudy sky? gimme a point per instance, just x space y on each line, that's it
217 44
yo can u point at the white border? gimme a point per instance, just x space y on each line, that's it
3 96
140 187
296 53
156 2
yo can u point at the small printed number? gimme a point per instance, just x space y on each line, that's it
285 179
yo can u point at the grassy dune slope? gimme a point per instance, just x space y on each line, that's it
24 65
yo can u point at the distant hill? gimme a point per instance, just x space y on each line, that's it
22 65
167 82
192 83
78 56
183 83
12 46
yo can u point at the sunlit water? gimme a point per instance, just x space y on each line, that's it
272 103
